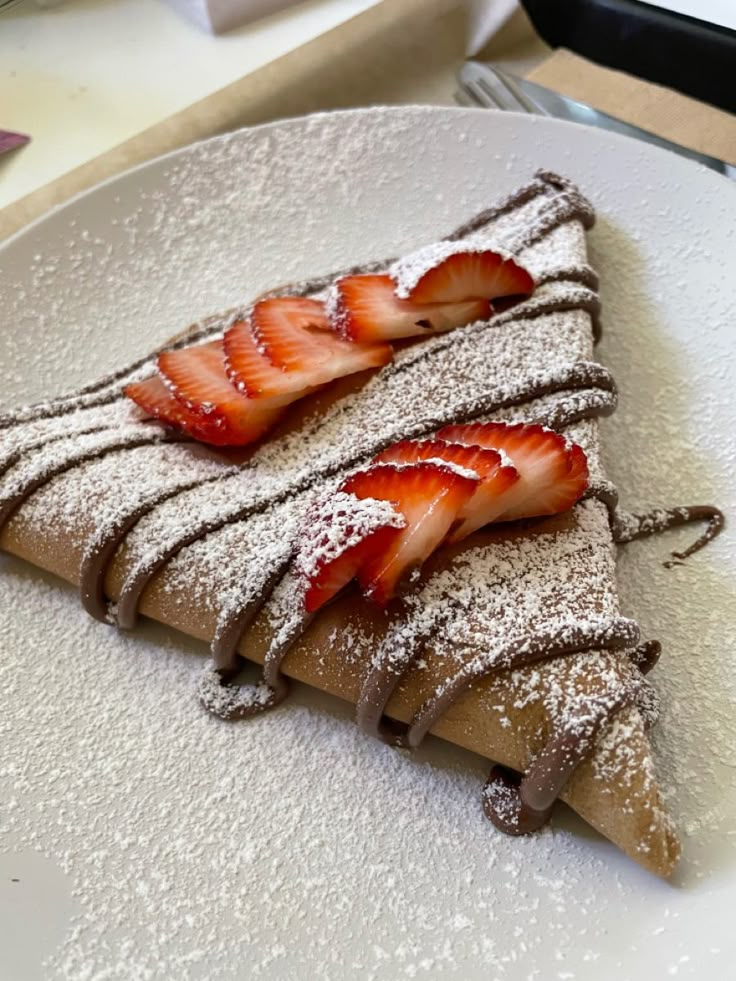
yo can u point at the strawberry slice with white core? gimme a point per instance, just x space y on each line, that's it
450 272
430 497
339 535
196 377
253 374
366 308
553 474
496 477
157 401
295 335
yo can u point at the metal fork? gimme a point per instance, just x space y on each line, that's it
492 89
488 87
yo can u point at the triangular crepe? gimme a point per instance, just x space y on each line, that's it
199 540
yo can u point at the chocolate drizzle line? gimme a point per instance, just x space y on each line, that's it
646 655
221 697
389 666
628 527
101 550
587 390
233 623
579 205
577 298
520 805
23 490
393 659
617 634
15 456
233 702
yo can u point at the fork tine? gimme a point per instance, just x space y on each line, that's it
477 95
510 85
501 94
489 87
462 97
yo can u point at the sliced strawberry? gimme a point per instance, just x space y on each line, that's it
196 377
330 577
366 308
482 463
491 497
429 496
338 538
155 399
553 473
470 275
291 330
253 374
295 335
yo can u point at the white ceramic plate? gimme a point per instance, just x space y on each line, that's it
149 840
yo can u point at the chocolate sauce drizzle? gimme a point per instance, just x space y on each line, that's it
100 552
586 390
618 634
233 623
520 805
391 662
627 526
23 489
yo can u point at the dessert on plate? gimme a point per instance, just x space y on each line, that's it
385 482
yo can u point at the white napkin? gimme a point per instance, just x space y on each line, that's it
222 15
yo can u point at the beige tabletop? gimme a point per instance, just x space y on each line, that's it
399 52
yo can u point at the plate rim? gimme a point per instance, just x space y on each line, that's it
594 133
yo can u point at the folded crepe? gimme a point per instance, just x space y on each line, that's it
511 644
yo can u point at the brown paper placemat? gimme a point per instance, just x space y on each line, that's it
663 111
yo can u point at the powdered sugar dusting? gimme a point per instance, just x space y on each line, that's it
41 431
144 472
226 701
338 522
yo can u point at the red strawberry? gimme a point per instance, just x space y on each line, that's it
470 275
481 462
366 308
491 497
339 539
295 334
331 577
429 496
553 473
251 372
196 377
155 399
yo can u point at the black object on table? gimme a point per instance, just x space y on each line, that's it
693 56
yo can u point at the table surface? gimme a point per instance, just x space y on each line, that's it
85 76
